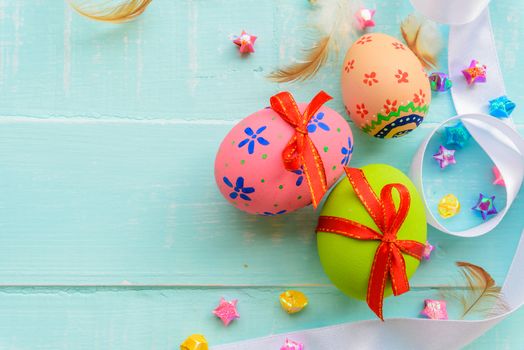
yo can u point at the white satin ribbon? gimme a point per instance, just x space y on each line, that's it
470 38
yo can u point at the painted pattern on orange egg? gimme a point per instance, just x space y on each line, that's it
386 91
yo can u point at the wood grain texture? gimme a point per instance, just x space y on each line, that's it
107 141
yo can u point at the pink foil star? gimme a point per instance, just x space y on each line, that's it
226 311
435 309
427 251
365 18
292 345
498 177
245 42
475 73
445 156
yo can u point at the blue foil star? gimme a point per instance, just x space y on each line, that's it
501 107
485 206
457 135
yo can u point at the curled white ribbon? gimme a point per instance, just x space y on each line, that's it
470 38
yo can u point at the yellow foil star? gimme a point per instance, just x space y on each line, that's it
194 342
448 206
293 301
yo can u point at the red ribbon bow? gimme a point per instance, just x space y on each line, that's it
300 151
388 260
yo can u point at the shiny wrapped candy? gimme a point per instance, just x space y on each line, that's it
448 206
293 301
195 342
439 82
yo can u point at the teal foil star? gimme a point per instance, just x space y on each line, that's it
457 135
501 107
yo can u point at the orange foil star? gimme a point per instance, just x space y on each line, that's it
226 311
245 42
475 73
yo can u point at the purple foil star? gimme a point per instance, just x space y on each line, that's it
439 82
475 73
444 156
485 206
435 309
226 311
428 248
292 345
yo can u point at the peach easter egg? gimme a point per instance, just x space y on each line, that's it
249 170
384 86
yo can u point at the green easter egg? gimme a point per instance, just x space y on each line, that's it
348 261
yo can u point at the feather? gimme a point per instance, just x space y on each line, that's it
332 21
110 10
315 58
423 38
481 295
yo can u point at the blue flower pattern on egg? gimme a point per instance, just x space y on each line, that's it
252 137
238 189
346 152
300 178
267 213
316 123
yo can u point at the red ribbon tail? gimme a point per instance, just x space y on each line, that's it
397 271
314 172
377 279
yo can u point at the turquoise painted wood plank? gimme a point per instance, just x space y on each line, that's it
176 61
161 318
92 202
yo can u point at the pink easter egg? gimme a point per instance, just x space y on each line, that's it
249 170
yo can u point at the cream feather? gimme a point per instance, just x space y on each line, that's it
332 22
113 11
423 38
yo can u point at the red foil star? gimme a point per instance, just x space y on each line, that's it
498 177
365 18
435 309
245 42
475 73
226 311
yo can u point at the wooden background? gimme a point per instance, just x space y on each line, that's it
112 233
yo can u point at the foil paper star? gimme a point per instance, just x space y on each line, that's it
445 156
448 206
439 82
365 18
475 73
292 345
293 301
195 342
226 311
428 248
457 135
245 42
498 177
485 206
435 309
501 107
